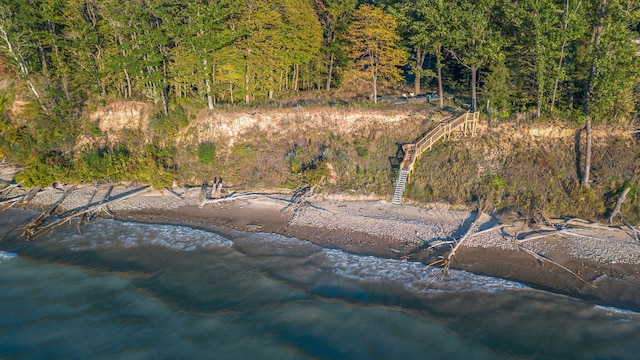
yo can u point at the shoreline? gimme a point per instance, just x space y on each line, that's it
605 262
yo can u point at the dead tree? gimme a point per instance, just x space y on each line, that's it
85 218
299 200
445 260
101 207
616 211
32 193
32 227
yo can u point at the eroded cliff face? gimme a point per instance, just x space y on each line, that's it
122 115
226 127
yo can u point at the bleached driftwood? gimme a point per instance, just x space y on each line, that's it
498 227
616 209
84 218
12 201
10 188
543 259
32 193
174 194
445 260
204 193
299 200
102 206
32 227
238 196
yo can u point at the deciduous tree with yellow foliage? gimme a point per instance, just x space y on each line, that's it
374 48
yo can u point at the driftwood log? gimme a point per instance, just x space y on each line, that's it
85 218
616 209
32 227
39 226
239 196
445 260
635 233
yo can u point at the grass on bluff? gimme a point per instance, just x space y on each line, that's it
533 179
503 173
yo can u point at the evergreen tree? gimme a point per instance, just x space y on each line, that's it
334 16
425 28
475 41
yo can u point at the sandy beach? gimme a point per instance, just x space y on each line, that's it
588 261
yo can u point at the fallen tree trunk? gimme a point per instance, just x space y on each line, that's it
12 201
541 259
299 200
9 188
635 233
621 199
32 227
106 201
238 196
32 193
84 218
446 260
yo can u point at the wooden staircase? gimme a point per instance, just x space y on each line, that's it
403 176
465 122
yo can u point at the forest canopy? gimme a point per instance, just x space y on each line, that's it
513 54
575 61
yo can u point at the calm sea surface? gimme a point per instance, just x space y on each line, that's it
135 291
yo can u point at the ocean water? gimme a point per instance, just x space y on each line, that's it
122 290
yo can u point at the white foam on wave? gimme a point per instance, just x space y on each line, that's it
102 234
5 255
611 311
416 277
269 244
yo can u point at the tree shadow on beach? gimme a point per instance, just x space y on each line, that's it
432 248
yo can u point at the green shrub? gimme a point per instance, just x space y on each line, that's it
103 165
362 151
154 166
314 175
207 153
295 163
169 125
489 189
93 129
44 170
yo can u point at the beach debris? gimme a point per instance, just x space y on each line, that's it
10 188
39 226
31 227
11 200
207 194
300 201
174 193
238 196
32 193
635 233
445 260
86 217
542 259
